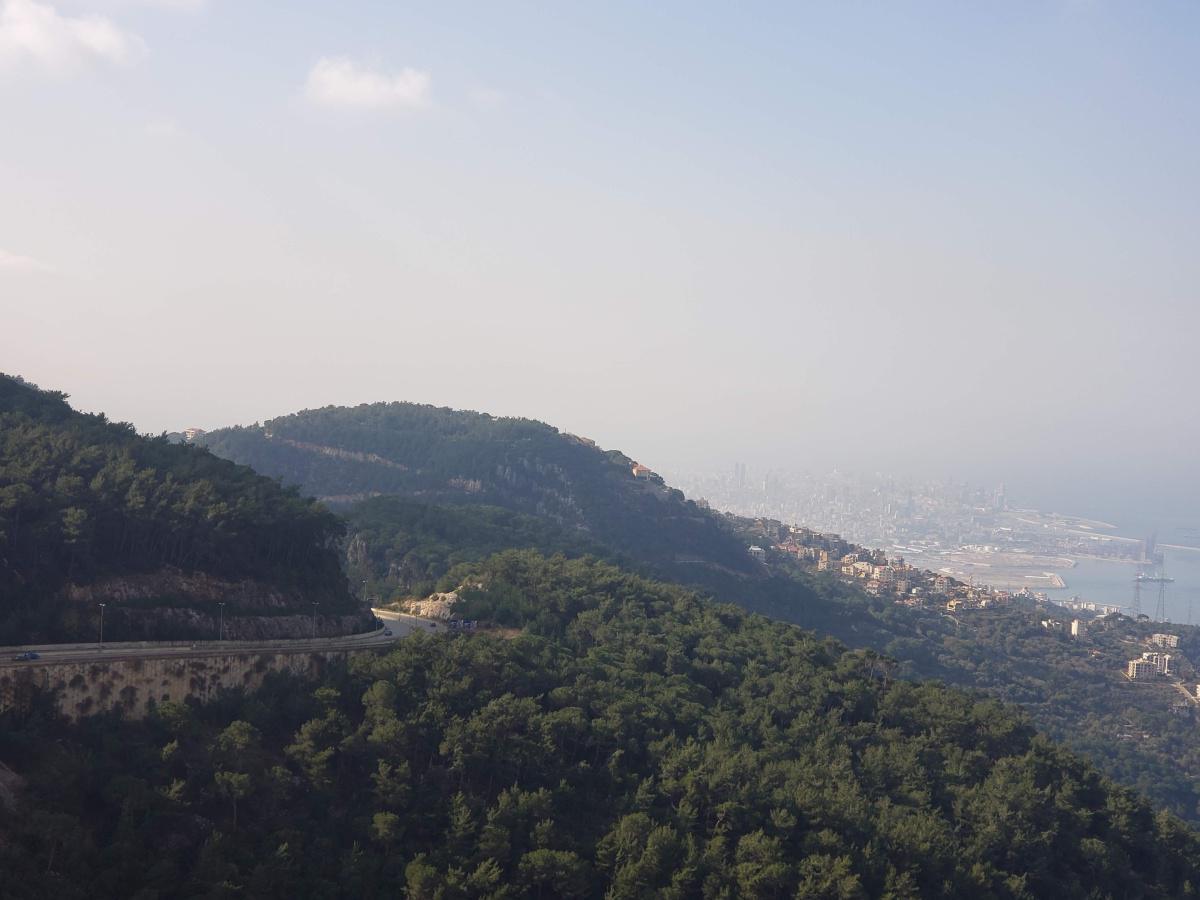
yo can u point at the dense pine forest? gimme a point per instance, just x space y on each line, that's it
399 547
1144 735
446 456
408 542
630 740
604 734
83 498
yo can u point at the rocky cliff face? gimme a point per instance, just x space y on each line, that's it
173 605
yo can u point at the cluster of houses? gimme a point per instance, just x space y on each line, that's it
1153 662
876 573
884 577
1075 626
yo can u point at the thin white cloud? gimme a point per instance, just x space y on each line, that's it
36 34
341 82
21 263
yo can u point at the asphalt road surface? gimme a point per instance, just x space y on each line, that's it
399 624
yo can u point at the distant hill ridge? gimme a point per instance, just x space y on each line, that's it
440 455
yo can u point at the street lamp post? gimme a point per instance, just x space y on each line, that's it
102 605
221 625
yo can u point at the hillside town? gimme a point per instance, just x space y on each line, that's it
952 528
895 579
874 571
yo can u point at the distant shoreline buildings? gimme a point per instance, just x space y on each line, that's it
945 526
874 571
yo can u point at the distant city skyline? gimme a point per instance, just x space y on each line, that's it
769 489
974 532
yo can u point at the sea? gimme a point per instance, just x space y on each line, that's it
1105 581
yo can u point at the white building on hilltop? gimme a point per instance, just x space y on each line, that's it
1161 661
1140 669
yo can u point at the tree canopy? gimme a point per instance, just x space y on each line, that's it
82 498
446 456
631 740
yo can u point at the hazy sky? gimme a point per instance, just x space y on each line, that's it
955 237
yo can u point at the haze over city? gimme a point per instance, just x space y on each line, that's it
937 239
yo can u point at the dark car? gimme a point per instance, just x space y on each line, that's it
27 655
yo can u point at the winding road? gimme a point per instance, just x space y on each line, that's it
398 624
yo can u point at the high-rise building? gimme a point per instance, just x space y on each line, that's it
1160 661
1138 669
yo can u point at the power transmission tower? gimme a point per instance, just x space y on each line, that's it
1161 612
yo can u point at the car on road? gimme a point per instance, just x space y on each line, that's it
387 632
27 655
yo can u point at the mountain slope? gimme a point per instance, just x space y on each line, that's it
632 741
399 547
436 455
406 543
91 512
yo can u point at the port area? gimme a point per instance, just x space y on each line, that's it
1029 549
1004 570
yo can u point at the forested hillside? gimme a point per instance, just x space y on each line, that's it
1144 734
398 547
91 511
408 543
632 741
435 455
